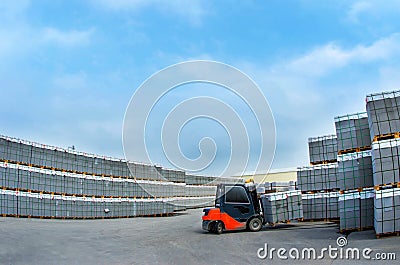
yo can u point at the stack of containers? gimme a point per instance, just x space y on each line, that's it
354 172
318 182
387 211
368 154
320 206
317 178
323 149
384 122
278 186
282 206
356 210
44 181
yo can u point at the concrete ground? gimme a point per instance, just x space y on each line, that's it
167 240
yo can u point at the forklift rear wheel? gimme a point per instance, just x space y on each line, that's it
211 228
219 227
255 224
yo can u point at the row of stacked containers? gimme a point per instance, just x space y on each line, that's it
355 172
318 182
281 201
38 180
384 122
366 182
282 206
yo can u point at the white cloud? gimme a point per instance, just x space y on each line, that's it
193 10
357 9
320 61
18 37
372 9
66 38
306 92
20 40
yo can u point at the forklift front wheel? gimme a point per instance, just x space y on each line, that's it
255 224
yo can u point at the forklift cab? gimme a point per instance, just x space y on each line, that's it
236 207
237 201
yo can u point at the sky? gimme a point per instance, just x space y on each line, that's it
69 68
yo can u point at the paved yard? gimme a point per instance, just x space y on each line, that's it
167 240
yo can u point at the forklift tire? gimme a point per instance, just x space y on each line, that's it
218 227
211 228
255 224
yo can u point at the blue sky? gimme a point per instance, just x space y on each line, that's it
69 68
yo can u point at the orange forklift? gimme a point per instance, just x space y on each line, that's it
237 207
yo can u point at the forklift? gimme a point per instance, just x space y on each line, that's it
237 207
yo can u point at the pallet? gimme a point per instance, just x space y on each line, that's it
323 162
355 189
387 136
281 222
387 186
388 234
356 229
354 150
319 191
333 220
84 217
